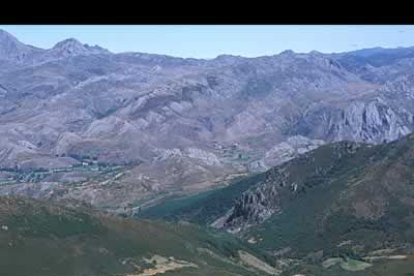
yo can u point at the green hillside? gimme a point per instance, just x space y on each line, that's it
342 199
42 239
202 208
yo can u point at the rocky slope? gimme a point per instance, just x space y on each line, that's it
185 122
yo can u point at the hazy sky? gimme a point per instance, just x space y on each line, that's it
211 40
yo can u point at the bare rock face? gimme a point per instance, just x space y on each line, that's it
207 157
373 122
193 153
71 47
290 149
253 207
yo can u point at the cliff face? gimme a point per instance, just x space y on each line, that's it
254 206
372 122
288 182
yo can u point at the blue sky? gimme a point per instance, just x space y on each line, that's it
210 41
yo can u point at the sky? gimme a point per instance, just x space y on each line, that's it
209 41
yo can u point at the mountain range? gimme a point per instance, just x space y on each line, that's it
136 164
172 125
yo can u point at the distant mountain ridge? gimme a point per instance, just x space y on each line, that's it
14 50
7 38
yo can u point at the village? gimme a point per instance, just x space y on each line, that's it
13 176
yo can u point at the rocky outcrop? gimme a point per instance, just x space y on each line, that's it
203 156
373 122
254 206
291 148
71 47
264 199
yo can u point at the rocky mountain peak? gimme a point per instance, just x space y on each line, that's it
72 47
70 43
287 53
